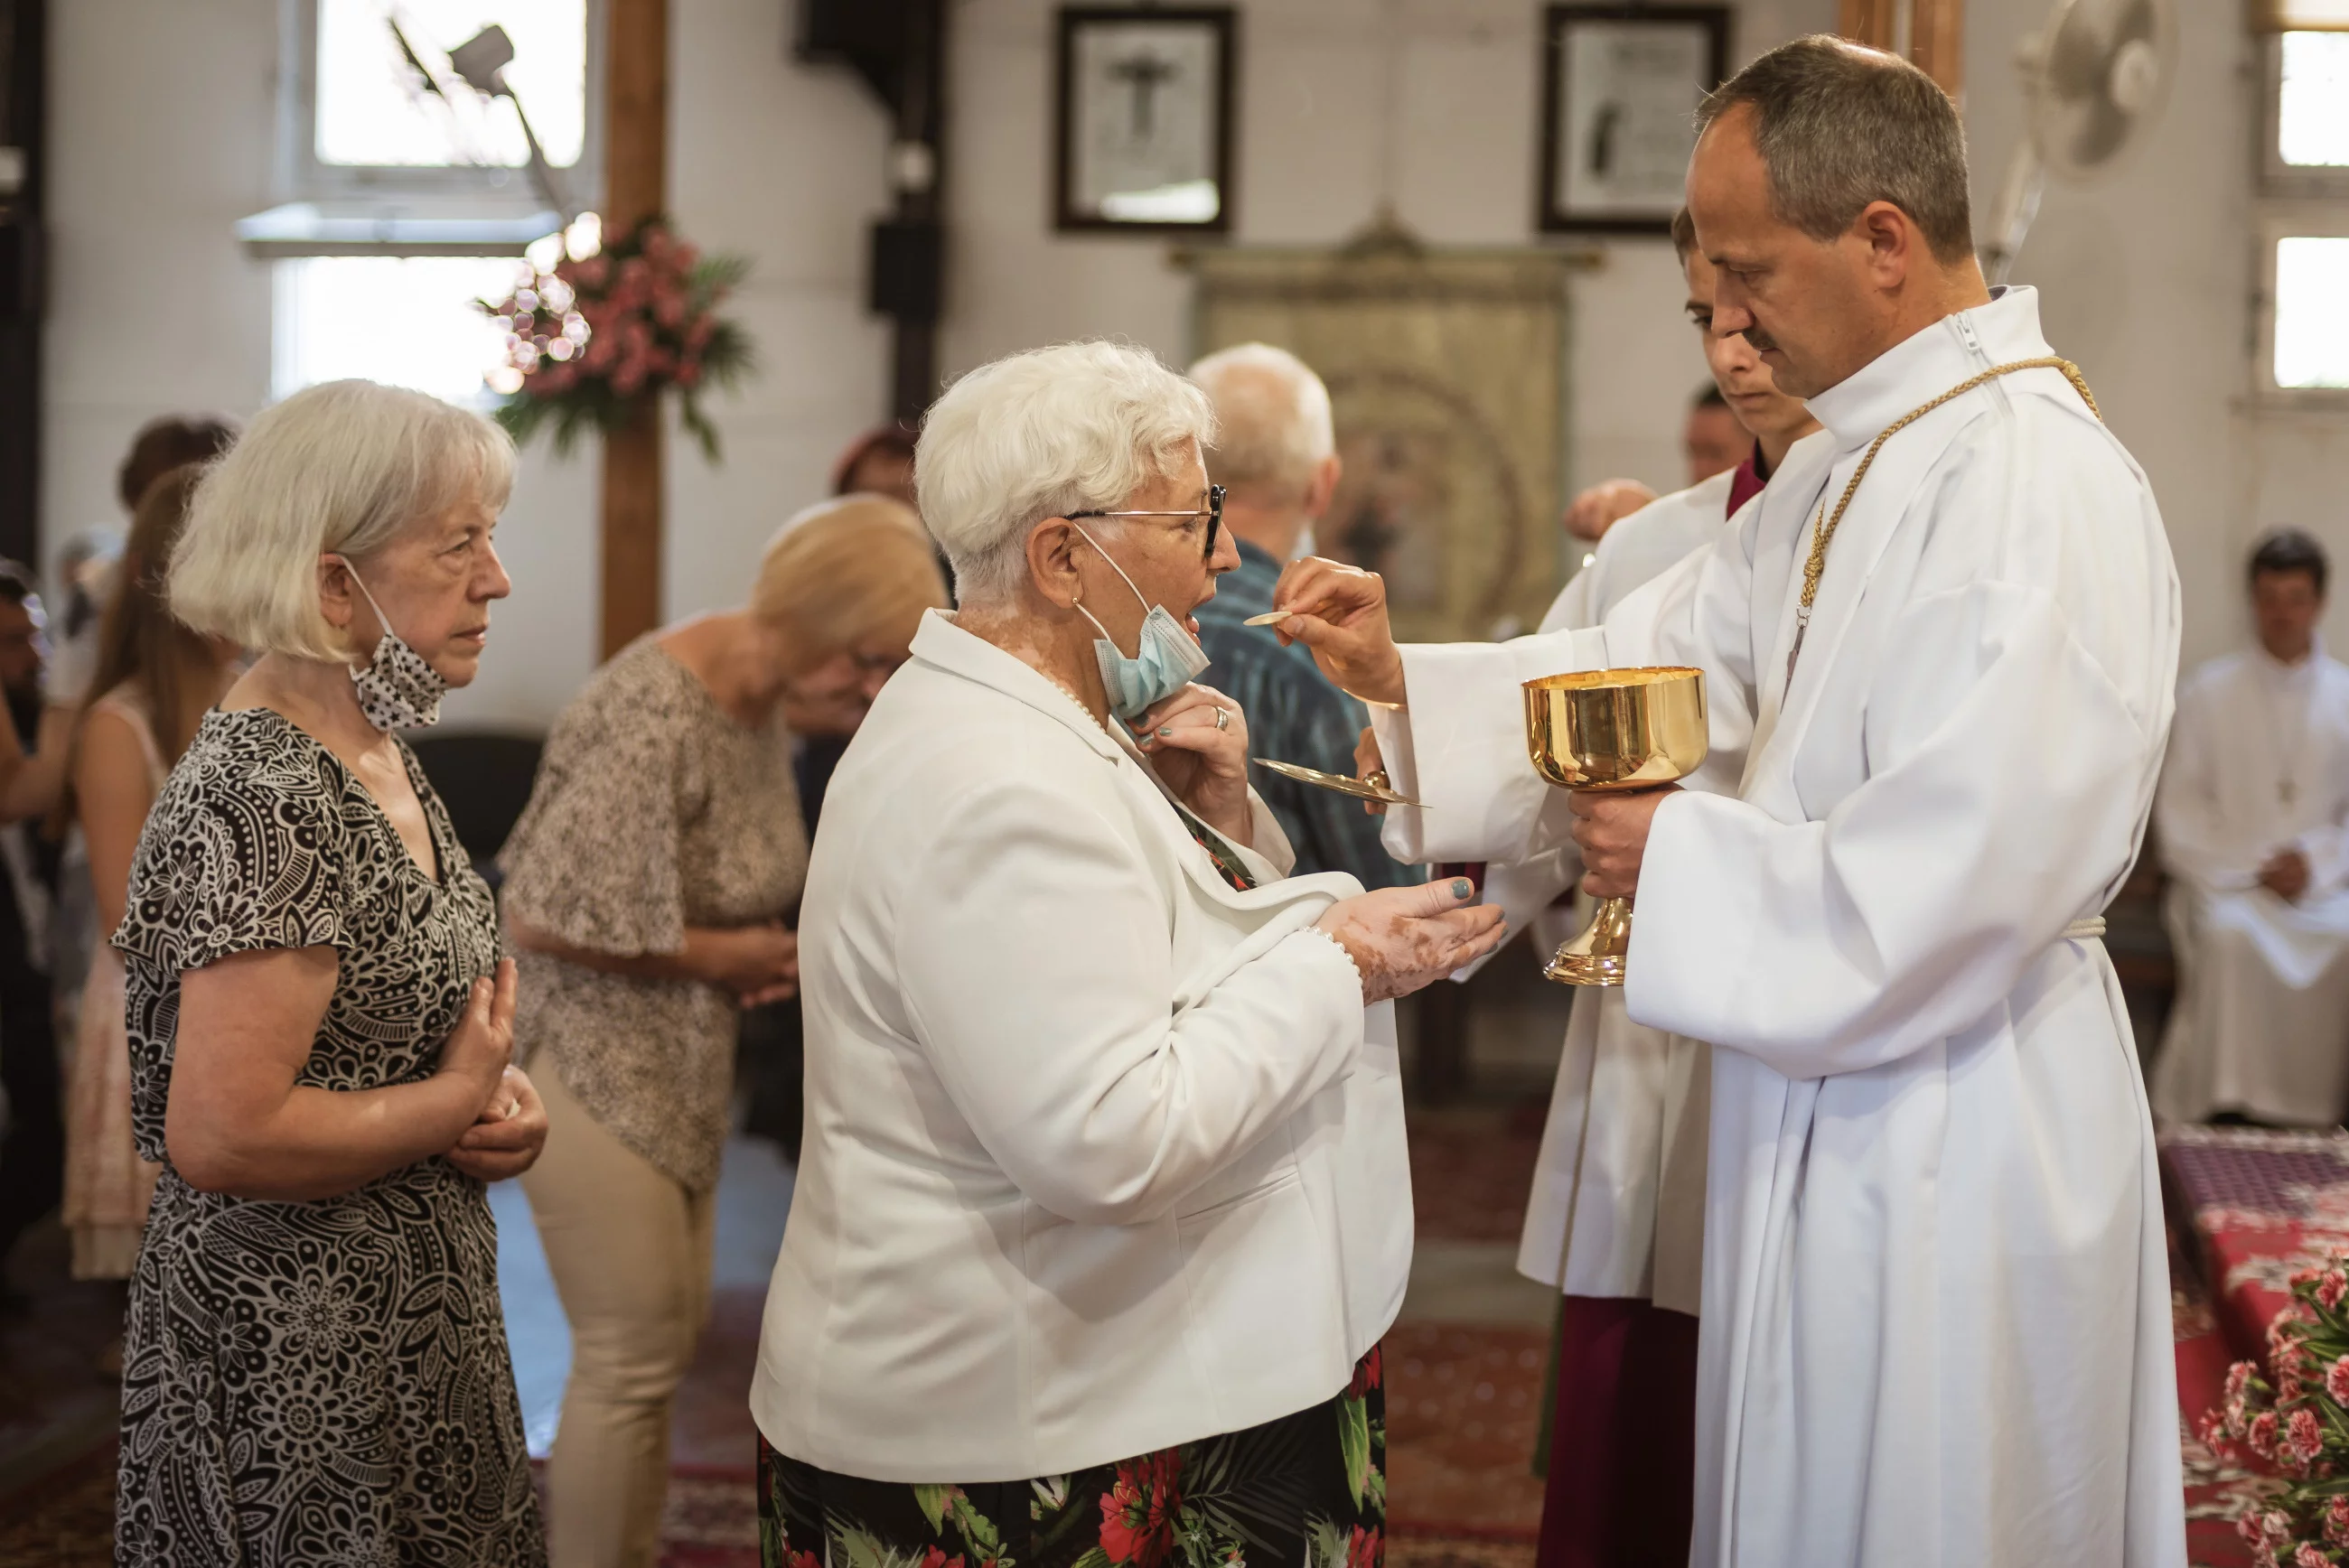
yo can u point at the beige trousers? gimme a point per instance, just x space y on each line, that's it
630 1252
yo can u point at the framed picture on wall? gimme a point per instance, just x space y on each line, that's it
1620 87
1143 136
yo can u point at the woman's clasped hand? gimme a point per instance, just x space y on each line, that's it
1403 938
510 1129
759 964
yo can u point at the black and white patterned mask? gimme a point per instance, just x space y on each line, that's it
397 689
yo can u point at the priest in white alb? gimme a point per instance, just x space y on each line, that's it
2253 826
1939 653
1616 1217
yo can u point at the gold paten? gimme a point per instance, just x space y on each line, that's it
1377 786
1612 730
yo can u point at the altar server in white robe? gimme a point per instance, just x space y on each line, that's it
2254 815
1936 1300
1616 1217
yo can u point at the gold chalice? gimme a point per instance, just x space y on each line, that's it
1612 730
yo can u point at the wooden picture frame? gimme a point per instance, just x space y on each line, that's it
1142 128
1620 87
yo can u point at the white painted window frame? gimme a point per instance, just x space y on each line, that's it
2295 200
417 190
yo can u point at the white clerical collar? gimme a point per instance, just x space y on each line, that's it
1928 363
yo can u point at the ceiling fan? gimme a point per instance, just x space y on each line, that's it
2094 80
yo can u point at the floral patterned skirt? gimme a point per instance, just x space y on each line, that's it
1308 1490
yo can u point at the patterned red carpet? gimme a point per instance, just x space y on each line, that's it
1463 1402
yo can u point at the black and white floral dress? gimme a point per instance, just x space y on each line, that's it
313 1383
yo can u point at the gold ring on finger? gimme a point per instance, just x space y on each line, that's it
1223 718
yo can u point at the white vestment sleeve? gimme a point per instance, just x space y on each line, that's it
1577 604
1459 745
1035 968
1994 751
2195 844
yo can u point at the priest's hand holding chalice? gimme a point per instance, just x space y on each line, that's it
1618 740
1608 733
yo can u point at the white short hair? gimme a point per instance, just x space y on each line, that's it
1074 427
1272 414
340 468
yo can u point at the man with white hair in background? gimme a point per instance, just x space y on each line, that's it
1938 655
1714 439
1276 456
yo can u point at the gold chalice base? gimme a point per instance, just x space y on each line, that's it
1612 730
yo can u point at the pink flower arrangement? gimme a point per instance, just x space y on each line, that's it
2292 1417
592 342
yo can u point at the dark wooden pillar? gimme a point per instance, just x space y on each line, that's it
635 187
914 303
899 48
24 288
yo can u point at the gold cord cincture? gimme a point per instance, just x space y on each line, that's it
1823 526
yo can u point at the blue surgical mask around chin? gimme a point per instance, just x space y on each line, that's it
1166 660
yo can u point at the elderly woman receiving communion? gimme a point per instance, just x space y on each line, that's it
316 1366
1103 1203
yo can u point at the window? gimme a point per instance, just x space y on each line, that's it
2312 335
409 321
2304 220
376 106
370 110
408 194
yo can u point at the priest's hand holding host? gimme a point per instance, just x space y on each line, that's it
1339 611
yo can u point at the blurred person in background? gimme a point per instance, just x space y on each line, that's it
81 582
32 1149
83 577
1275 454
1714 440
772 1052
154 681
2254 813
86 571
647 888
878 462
85 567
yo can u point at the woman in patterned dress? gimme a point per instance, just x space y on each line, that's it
316 1368
1104 1205
646 887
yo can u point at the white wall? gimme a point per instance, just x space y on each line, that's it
2147 279
1314 91
163 128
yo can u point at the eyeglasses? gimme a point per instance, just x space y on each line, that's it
1214 514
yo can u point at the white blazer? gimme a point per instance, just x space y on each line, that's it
1102 1155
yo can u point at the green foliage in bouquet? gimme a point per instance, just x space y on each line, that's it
600 336
2299 1425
